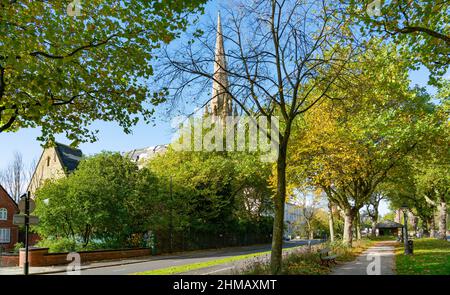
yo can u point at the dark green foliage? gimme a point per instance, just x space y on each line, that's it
215 200
107 200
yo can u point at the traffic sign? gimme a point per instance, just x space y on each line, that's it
19 219
32 205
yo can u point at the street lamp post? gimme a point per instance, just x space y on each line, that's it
404 208
26 197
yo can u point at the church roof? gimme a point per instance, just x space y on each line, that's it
389 224
221 103
70 157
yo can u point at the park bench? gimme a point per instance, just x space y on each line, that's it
327 257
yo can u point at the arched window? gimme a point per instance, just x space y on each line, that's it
3 214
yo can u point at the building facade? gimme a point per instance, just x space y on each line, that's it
56 161
292 219
9 233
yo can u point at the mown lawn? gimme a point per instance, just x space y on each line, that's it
431 257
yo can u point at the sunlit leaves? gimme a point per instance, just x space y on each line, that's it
62 72
352 144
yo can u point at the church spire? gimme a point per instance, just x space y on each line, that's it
221 100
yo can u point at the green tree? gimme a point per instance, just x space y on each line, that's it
349 149
212 190
402 189
427 181
284 57
61 72
106 199
419 27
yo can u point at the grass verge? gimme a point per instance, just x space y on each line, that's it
431 257
193 266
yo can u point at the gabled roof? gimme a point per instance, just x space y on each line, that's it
389 224
146 153
70 157
2 189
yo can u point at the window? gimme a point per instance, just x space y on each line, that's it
5 235
3 214
48 161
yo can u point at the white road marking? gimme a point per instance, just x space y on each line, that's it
219 270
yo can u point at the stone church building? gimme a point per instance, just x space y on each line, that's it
55 162
221 104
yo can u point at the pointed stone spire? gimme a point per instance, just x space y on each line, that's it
220 100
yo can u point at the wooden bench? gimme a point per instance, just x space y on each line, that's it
327 257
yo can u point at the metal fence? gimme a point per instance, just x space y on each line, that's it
196 240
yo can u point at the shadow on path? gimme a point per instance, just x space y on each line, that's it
377 260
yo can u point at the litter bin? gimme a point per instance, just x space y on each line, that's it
410 249
151 242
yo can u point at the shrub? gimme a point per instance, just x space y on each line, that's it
298 262
56 245
17 247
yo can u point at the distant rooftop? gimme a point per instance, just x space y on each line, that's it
147 153
389 224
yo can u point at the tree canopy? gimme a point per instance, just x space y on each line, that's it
420 28
349 146
60 71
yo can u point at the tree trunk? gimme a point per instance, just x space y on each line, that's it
358 226
432 227
278 222
331 222
414 221
374 222
374 228
425 229
443 219
310 231
348 227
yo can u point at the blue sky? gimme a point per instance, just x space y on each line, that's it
111 136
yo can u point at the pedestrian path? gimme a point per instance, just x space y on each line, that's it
377 260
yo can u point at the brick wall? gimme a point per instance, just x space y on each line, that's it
9 260
41 257
8 203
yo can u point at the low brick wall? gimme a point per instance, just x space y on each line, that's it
41 257
8 260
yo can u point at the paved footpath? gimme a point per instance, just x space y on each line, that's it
382 252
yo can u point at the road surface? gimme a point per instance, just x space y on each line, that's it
189 258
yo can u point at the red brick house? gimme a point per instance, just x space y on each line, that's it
9 233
